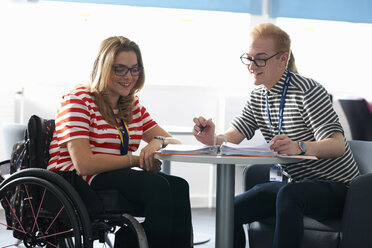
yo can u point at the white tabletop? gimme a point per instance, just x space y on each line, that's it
220 159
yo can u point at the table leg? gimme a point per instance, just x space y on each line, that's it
166 166
225 205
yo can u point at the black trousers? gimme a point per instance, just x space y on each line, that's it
164 199
289 202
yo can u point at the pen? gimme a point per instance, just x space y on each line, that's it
201 130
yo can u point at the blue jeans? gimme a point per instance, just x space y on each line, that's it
289 202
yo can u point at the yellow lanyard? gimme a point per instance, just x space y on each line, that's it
124 145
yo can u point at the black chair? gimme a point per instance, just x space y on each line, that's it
359 117
328 233
59 209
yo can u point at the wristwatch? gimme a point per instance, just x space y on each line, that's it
161 138
303 147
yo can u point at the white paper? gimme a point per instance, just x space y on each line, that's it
189 149
228 148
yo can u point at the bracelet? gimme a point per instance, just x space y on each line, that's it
130 158
162 139
223 137
215 138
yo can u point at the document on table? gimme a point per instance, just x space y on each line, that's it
258 151
225 149
228 149
189 149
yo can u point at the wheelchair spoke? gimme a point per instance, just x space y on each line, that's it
41 203
51 244
32 209
13 228
12 245
54 219
14 213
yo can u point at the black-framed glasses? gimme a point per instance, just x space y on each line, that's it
258 62
122 70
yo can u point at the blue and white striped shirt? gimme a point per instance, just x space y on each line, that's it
308 116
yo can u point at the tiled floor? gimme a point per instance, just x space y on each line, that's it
203 224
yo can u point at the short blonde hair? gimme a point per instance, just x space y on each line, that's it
282 41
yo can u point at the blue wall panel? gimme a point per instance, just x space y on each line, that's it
244 6
338 10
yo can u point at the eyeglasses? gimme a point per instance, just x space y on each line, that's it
121 70
258 62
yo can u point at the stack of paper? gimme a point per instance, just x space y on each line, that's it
233 149
189 149
228 149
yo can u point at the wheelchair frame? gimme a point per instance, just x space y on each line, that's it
45 210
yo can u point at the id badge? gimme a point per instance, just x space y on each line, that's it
276 174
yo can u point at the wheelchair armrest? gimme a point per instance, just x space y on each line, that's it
255 174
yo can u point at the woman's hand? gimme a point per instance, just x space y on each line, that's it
204 130
284 145
146 159
156 166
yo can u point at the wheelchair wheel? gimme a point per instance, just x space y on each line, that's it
38 214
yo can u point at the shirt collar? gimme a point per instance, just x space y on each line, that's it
278 87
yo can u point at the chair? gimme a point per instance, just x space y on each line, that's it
359 117
12 133
328 233
59 209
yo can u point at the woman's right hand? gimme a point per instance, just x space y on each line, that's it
207 128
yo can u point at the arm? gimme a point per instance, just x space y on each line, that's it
322 122
87 163
331 147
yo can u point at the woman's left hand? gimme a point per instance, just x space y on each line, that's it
284 145
147 161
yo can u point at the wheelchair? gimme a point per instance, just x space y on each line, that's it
58 208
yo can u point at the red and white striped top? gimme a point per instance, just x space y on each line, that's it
79 117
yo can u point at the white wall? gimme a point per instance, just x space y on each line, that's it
336 54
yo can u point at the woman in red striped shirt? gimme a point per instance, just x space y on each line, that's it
99 125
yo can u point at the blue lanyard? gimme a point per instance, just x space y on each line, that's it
281 106
124 138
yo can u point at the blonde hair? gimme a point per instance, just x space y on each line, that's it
100 76
282 41
292 63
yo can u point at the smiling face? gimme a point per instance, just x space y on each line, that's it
121 85
268 75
